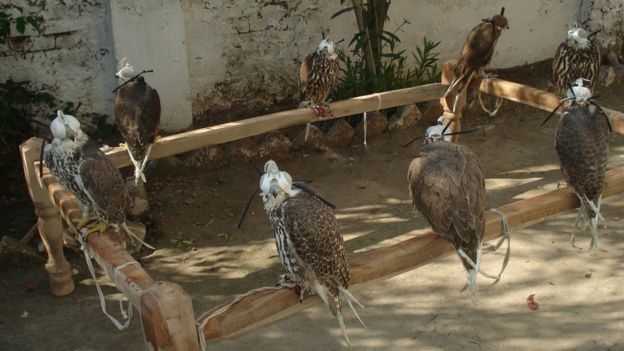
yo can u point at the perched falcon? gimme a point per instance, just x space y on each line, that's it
137 111
447 185
317 78
577 57
82 168
309 244
476 54
582 143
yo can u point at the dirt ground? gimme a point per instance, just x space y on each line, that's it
581 304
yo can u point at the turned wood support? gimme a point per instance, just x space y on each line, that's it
49 223
447 102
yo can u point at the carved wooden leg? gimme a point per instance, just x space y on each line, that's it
49 222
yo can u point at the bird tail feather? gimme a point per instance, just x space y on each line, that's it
454 83
350 299
140 167
343 328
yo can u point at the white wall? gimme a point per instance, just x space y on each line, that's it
215 56
151 35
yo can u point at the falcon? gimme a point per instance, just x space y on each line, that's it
137 111
447 185
317 78
82 168
308 241
582 143
476 54
577 57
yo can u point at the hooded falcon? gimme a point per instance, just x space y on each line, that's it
577 57
137 111
476 54
309 244
582 143
82 168
317 78
447 185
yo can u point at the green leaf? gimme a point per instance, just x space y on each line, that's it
20 24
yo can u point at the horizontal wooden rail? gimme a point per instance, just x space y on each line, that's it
223 133
537 98
271 304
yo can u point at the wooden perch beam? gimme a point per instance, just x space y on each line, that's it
537 98
223 133
267 305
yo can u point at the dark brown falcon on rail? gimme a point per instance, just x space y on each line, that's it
137 111
476 53
582 143
308 240
318 75
577 57
447 185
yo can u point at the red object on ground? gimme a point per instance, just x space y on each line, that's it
533 305
30 287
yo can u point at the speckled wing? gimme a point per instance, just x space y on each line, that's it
137 111
478 49
104 184
581 141
571 63
447 186
304 72
313 230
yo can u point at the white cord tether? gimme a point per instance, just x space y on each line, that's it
506 237
127 316
366 119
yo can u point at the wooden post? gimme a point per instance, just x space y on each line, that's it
447 102
49 223
267 305
167 318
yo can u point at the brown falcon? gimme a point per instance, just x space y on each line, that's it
577 57
137 111
317 78
582 143
308 241
82 168
476 54
447 185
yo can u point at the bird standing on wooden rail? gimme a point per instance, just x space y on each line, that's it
317 78
582 143
137 111
309 244
82 168
447 185
577 57
475 55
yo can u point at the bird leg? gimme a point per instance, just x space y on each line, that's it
288 281
488 75
138 173
84 220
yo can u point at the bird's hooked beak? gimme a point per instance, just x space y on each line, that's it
274 188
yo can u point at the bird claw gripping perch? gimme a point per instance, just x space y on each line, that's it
296 288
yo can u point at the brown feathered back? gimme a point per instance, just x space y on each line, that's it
314 232
104 184
137 111
581 141
447 185
479 46
571 63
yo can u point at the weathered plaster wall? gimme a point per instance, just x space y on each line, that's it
72 58
245 54
607 15
223 56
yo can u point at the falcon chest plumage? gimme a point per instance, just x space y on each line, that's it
285 248
571 63
320 77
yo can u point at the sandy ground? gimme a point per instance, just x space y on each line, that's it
579 293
